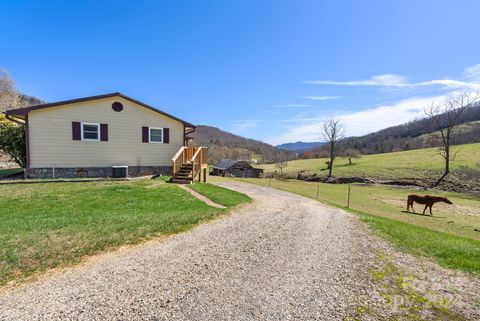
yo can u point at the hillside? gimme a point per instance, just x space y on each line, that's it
31 100
413 135
420 167
223 144
299 147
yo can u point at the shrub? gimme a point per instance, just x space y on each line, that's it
12 141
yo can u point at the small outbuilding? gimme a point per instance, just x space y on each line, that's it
228 167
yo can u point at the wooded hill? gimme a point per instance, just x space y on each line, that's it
223 144
300 147
413 135
31 101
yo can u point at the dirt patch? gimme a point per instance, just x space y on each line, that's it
462 180
440 208
406 287
201 197
402 183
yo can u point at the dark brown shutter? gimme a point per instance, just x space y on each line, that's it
166 135
76 131
144 134
104 132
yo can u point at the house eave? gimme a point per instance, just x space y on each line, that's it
22 112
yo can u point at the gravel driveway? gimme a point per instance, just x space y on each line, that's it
283 257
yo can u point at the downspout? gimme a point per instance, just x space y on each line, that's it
184 140
193 130
27 148
185 133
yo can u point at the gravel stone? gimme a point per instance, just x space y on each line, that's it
282 257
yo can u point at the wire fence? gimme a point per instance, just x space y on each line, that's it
338 194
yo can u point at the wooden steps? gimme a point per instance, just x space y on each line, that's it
181 181
189 163
184 175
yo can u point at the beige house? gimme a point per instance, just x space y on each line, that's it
87 137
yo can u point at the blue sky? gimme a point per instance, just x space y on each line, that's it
271 70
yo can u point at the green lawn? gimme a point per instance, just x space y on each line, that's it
448 250
48 225
406 164
220 195
448 236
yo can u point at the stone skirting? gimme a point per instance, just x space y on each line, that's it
82 172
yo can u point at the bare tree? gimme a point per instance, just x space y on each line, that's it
445 116
333 132
351 153
281 161
10 98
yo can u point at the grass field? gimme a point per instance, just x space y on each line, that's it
406 164
49 225
448 236
220 195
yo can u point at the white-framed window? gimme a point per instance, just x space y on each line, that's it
155 135
90 131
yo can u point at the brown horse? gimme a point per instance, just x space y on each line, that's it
427 200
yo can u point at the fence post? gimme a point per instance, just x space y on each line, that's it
318 187
348 199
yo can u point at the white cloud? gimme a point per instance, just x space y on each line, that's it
308 132
321 97
472 72
472 75
388 80
357 123
373 119
448 83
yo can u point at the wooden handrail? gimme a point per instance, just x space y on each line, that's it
177 160
197 156
196 162
189 152
179 153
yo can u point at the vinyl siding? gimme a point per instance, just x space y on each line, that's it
51 143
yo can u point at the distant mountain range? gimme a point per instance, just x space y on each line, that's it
299 147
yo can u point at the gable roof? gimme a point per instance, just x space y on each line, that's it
224 164
24 111
227 163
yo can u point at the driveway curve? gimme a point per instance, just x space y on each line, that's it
282 257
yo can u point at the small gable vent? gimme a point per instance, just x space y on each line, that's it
117 106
